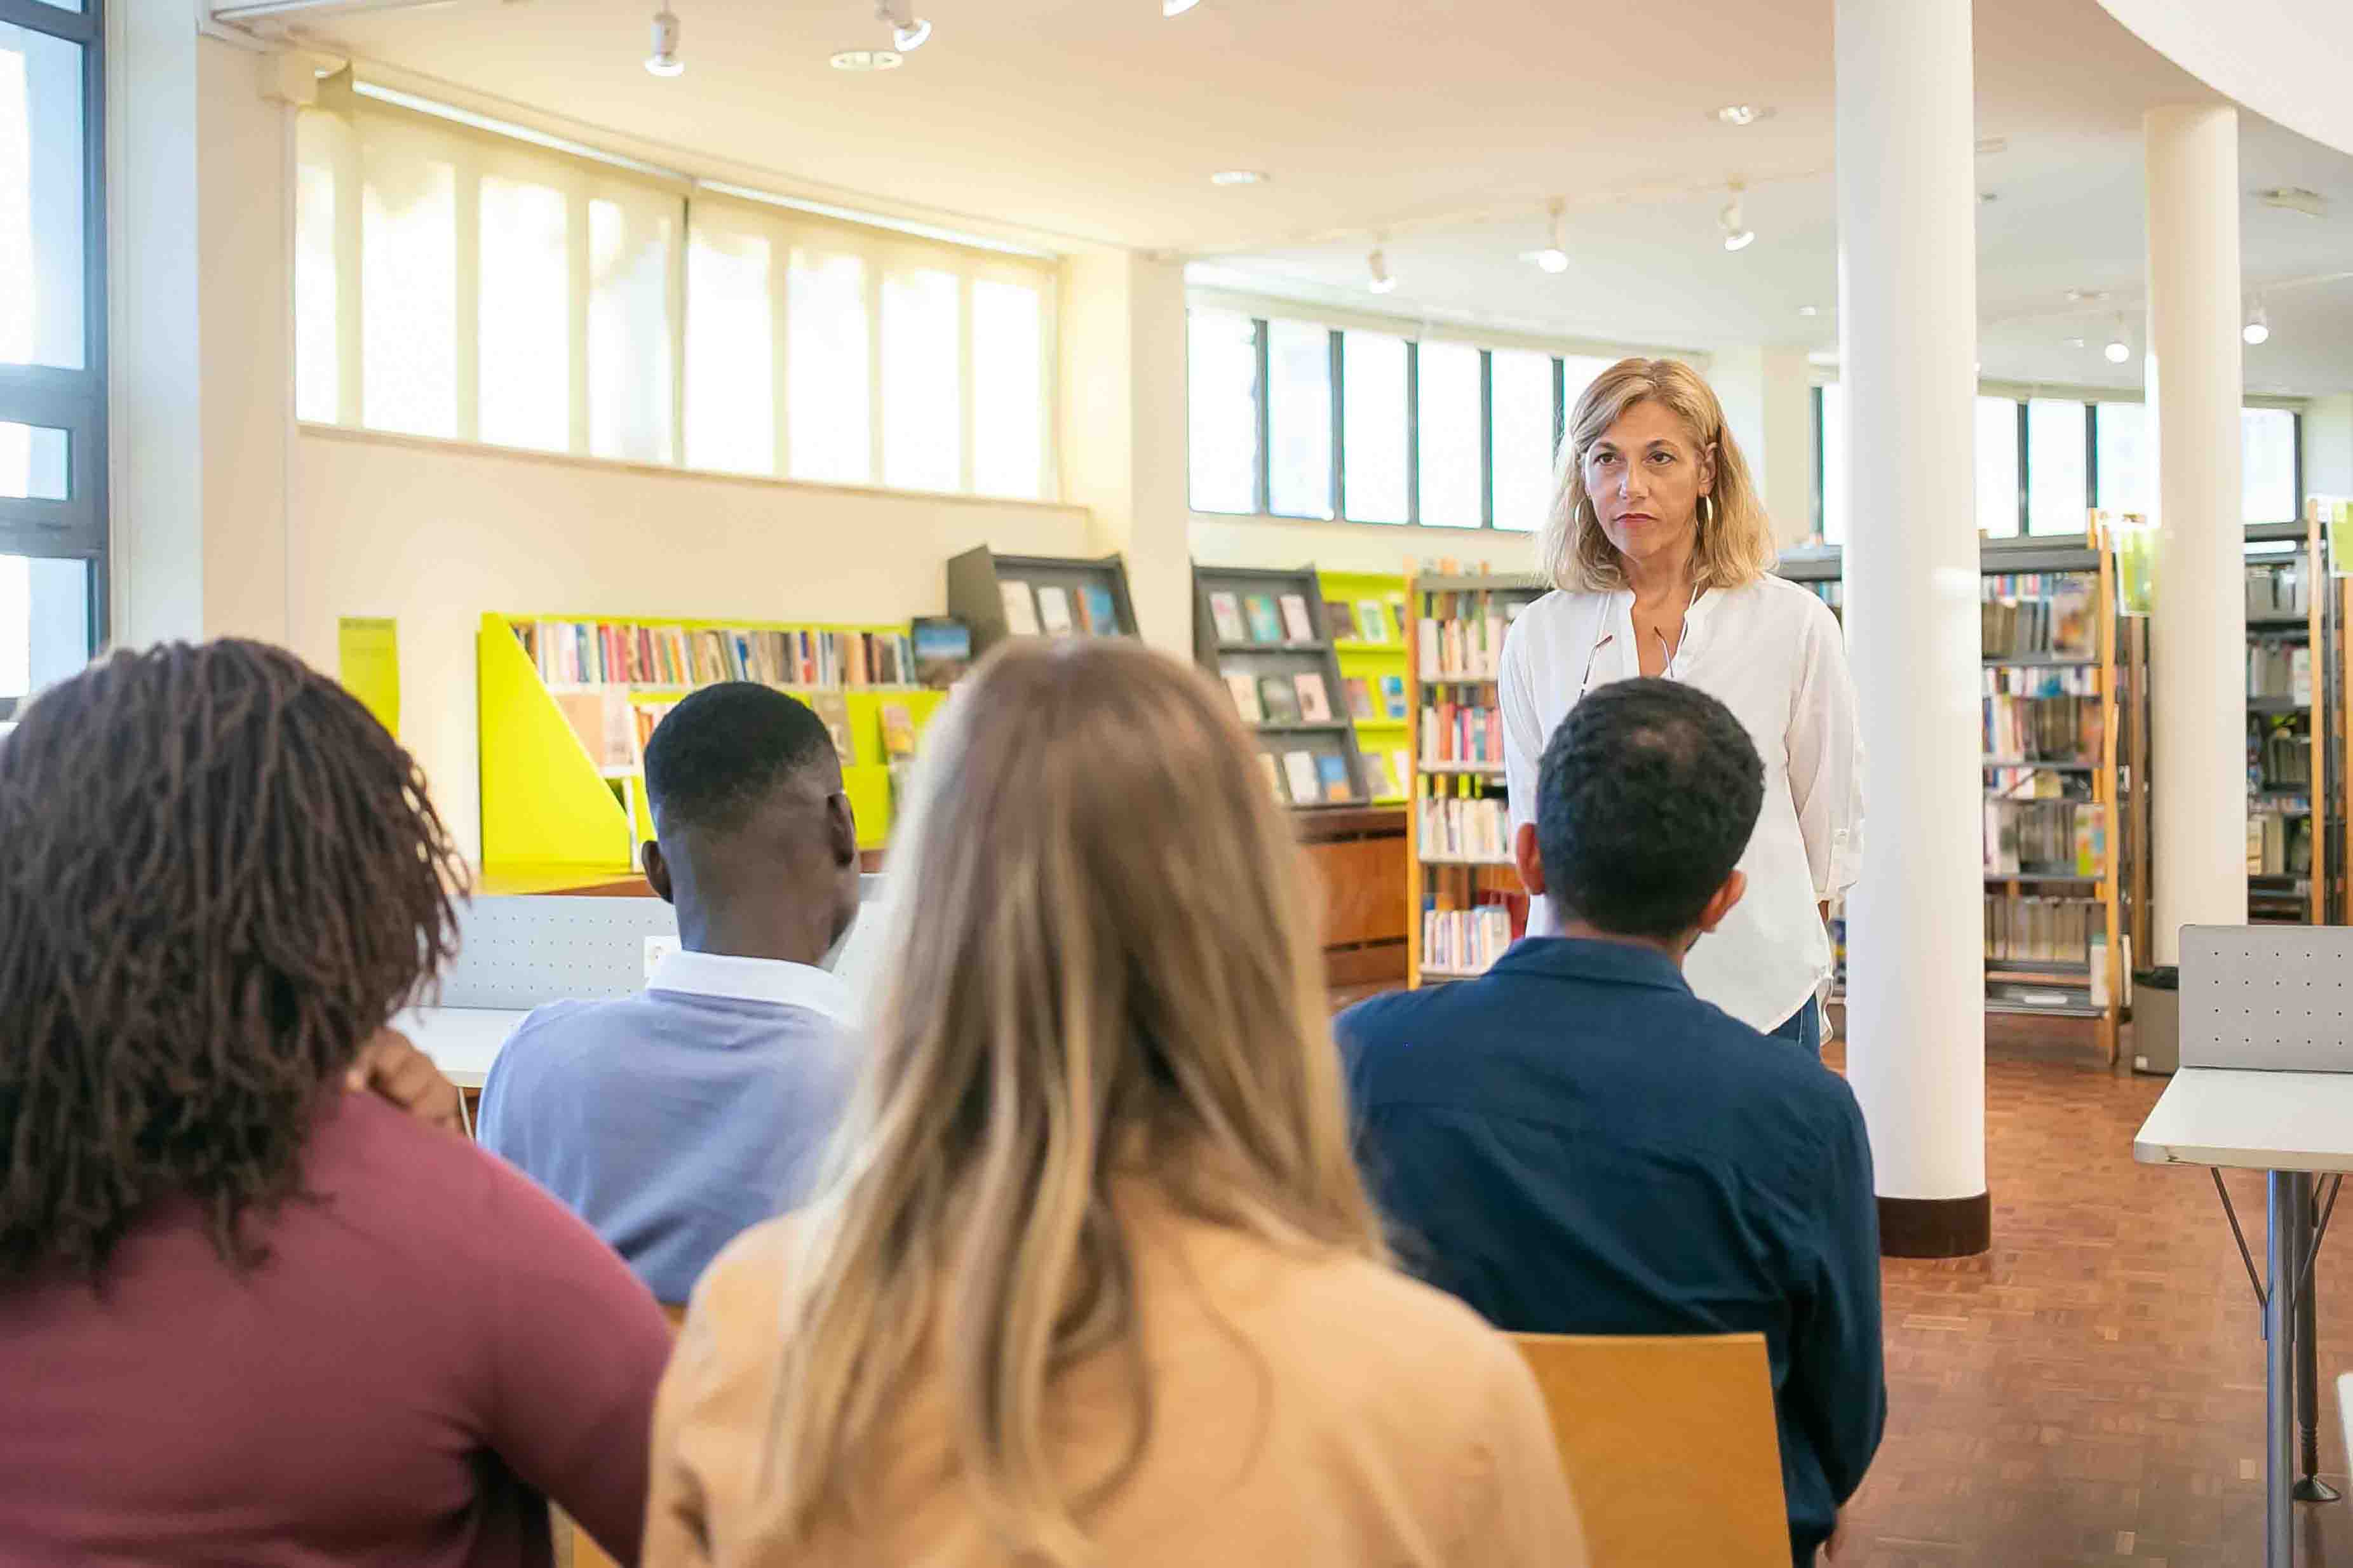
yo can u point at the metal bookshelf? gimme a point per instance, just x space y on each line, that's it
2287 562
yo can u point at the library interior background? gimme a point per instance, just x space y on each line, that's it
528 365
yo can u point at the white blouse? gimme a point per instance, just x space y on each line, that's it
1773 653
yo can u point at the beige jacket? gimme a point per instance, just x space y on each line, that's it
1310 1412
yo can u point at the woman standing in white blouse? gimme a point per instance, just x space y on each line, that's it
1662 560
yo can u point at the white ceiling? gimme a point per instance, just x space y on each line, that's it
1446 128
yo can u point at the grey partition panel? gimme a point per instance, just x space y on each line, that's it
521 950
2277 998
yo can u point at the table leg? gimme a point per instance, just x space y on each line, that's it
2287 1194
2309 1487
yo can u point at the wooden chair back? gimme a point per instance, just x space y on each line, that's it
1670 1445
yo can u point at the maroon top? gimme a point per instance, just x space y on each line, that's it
431 1346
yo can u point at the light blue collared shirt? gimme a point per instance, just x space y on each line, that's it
674 1119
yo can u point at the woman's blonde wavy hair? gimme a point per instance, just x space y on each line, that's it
1102 974
1735 537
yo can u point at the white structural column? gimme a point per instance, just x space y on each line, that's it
2198 640
1907 342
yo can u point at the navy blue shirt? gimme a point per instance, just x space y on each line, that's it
1576 1144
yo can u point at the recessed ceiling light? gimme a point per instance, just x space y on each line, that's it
1742 113
2085 295
868 60
1177 7
1988 145
1238 177
2076 343
1810 310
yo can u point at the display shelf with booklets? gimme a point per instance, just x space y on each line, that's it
1000 596
2291 685
1266 634
1465 903
565 704
1365 612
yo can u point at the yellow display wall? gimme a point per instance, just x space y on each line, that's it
1371 660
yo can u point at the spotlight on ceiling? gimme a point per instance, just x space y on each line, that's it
1238 177
2258 329
1742 113
1177 7
2118 349
1378 265
908 32
1553 257
664 58
1737 234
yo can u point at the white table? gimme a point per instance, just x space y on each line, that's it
2292 1126
462 1041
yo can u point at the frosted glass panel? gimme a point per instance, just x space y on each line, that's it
1008 434
40 200
1997 463
1374 442
526 315
2128 475
2056 486
33 463
318 343
922 402
730 336
828 398
1520 452
2267 464
1452 475
628 332
1299 419
1830 479
409 276
1221 400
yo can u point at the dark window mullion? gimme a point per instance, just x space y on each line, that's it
1413 430
1560 405
1486 437
1822 476
1262 481
2091 462
2025 475
1337 351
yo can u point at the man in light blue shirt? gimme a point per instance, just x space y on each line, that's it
674 1119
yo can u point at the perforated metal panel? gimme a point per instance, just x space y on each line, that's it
2275 998
521 950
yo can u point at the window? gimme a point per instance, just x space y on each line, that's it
1997 464
2124 463
1830 432
1299 419
1453 460
1221 394
1376 425
2057 485
52 346
2268 479
450 281
1520 437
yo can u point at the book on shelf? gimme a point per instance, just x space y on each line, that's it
2279 843
1453 733
1400 768
834 709
1020 608
1314 703
606 727
1265 624
1340 620
1360 697
2279 671
1373 622
1379 779
1299 770
1466 940
1297 624
1097 612
897 731
630 653
2038 615
1226 611
2036 929
942 650
2046 837
2277 588
1452 827
1280 699
1462 638
1274 776
1054 610
1244 688
1393 696
2044 715
2278 757
1331 770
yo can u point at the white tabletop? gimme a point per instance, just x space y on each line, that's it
2253 1120
462 1041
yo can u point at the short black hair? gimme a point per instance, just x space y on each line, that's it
723 749
1647 796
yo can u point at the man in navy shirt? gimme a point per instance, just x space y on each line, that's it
676 1118
1575 1144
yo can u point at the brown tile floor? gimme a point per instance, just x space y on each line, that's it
2089 1391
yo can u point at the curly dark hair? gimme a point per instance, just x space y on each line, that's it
221 877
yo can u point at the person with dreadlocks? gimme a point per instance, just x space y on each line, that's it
247 1315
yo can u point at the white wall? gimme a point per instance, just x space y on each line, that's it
2329 446
434 534
1768 404
1220 540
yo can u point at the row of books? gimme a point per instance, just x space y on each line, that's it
2042 729
1306 778
625 653
1456 733
1262 618
1462 649
2278 590
1465 942
1367 620
2032 929
2279 669
2279 843
2036 614
1456 827
2279 757
2049 838
1048 609
1296 699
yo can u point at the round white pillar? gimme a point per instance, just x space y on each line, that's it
2197 640
1907 351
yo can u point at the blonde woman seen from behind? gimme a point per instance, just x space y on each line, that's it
1095 1281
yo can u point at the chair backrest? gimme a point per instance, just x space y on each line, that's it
2267 998
1670 1445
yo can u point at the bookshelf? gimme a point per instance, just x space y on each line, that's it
1464 903
2291 628
1369 642
1265 633
563 705
1000 596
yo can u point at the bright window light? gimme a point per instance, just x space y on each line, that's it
1373 442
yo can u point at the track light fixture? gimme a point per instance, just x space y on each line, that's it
2118 349
1737 234
2258 330
1553 257
908 32
1177 7
664 60
1378 265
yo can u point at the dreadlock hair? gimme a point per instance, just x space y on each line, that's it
222 876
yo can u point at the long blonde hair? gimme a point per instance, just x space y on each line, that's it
1101 965
1736 539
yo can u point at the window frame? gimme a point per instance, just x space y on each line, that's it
73 401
